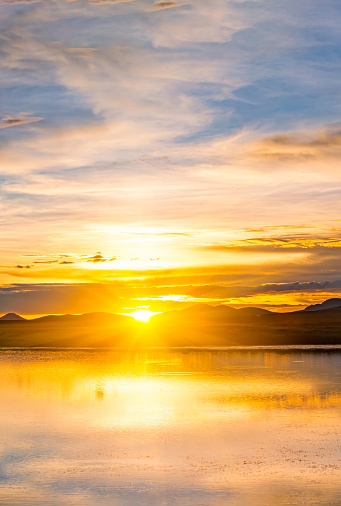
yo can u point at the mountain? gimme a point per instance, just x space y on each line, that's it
12 317
86 318
65 331
327 304
206 314
256 311
224 326
195 326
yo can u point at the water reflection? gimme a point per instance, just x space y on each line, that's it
173 427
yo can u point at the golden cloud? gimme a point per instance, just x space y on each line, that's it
299 146
165 5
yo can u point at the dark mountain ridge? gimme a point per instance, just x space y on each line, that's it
225 314
197 325
327 304
98 318
12 317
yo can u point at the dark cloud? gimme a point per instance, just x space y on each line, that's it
45 262
65 259
9 122
221 292
19 266
296 286
32 298
81 298
98 257
287 243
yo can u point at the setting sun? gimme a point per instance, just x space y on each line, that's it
142 315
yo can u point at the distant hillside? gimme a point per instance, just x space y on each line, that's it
87 330
197 325
217 315
327 304
212 314
89 318
12 317
225 326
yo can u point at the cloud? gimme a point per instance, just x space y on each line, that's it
19 1
9 122
45 261
300 146
19 266
165 5
108 2
72 259
280 242
40 298
98 257
90 1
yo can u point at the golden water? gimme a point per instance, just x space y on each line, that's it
170 427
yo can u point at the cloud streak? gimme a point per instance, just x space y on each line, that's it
165 5
11 122
14 2
305 146
108 2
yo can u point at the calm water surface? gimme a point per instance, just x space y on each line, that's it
170 427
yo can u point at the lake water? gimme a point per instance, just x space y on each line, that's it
247 427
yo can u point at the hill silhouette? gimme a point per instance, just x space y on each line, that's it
327 304
12 317
197 325
225 326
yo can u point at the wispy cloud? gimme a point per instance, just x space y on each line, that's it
48 262
281 243
300 146
165 5
108 2
10 122
19 1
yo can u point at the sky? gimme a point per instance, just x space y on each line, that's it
157 154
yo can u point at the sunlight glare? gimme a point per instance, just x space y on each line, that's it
142 315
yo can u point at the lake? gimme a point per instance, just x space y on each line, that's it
155 427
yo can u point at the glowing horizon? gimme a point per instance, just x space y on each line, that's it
141 315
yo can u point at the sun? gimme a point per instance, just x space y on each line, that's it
142 315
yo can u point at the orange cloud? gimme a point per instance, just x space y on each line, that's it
299 146
165 5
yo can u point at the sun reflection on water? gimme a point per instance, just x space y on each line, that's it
181 419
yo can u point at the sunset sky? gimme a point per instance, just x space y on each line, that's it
158 154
